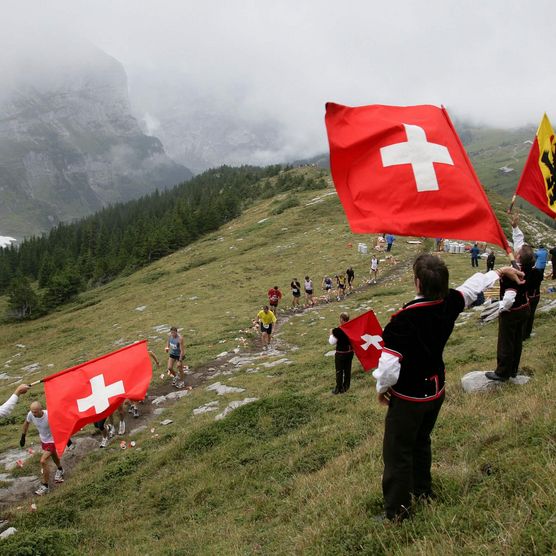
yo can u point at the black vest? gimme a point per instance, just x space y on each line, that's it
419 332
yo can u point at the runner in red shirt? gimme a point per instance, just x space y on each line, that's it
274 296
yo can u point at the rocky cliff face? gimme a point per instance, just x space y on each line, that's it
69 144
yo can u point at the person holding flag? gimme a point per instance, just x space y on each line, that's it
7 407
410 377
343 357
39 417
91 391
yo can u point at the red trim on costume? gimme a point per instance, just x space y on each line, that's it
411 399
418 304
392 352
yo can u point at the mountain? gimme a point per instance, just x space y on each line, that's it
202 130
69 144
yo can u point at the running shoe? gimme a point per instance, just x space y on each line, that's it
42 490
111 431
174 380
180 385
59 476
71 446
104 442
121 428
135 412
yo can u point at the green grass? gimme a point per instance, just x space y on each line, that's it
298 471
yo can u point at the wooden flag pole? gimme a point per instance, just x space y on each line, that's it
512 204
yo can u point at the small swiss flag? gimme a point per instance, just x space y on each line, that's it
92 391
365 335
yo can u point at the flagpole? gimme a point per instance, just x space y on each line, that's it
512 204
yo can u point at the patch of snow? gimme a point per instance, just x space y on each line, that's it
506 170
21 346
330 353
5 241
263 220
160 328
141 308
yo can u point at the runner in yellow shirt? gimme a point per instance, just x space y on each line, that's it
266 319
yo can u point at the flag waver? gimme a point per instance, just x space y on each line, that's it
404 170
538 180
365 336
92 391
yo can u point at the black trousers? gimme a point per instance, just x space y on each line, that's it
407 453
533 302
511 326
343 370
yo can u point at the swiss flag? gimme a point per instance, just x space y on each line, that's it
92 391
403 170
365 335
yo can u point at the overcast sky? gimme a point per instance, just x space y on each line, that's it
492 61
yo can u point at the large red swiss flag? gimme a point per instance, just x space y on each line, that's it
365 336
91 391
403 170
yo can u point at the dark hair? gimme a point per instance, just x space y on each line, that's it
433 276
526 257
275 287
173 329
344 317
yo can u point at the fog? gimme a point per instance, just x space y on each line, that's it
264 62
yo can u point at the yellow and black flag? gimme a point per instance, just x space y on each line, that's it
538 180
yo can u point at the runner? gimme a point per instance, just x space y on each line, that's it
176 352
309 292
107 429
341 285
350 278
327 286
133 409
266 319
296 292
274 296
39 417
374 270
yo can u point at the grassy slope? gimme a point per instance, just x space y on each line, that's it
298 471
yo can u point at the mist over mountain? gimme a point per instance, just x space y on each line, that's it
69 144
203 129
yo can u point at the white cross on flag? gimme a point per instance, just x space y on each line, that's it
91 391
365 336
403 170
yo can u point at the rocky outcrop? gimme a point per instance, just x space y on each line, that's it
69 144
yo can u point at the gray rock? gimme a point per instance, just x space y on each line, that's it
476 381
234 405
8 532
